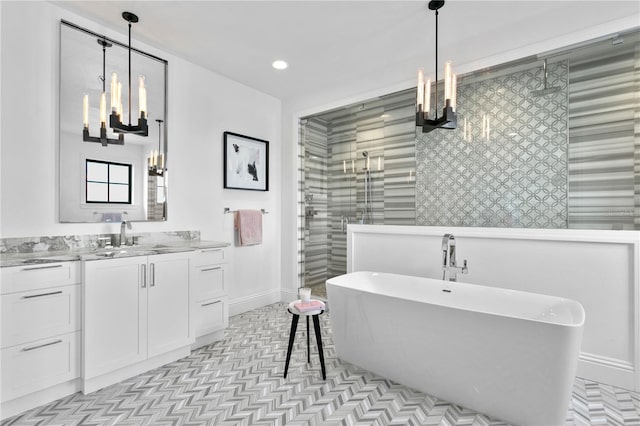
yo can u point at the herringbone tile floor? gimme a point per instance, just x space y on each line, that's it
238 381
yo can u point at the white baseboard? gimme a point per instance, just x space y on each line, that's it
258 300
207 339
38 398
93 384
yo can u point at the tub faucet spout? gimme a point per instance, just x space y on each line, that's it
450 268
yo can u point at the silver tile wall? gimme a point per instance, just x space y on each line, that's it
604 153
331 152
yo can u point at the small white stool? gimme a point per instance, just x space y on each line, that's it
316 325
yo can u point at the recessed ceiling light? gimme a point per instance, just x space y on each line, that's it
279 65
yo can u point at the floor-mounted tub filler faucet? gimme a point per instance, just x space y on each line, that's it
449 267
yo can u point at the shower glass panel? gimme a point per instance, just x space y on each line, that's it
358 167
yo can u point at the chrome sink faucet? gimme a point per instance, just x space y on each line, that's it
123 235
449 266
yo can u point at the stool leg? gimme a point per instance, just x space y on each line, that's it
316 325
308 345
292 335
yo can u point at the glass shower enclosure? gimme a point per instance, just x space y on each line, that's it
358 166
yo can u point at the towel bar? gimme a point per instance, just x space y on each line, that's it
228 210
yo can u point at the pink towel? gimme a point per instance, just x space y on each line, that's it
249 226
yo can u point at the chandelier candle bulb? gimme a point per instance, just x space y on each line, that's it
447 81
114 92
103 110
142 97
427 99
420 92
119 99
85 111
454 89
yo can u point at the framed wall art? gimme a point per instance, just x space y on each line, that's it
246 162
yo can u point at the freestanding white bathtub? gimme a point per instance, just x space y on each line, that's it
505 353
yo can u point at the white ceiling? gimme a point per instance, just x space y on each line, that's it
338 43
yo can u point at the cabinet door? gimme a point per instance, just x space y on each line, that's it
114 314
168 293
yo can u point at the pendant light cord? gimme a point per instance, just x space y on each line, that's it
104 57
129 73
435 106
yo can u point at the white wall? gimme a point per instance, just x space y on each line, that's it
377 84
202 105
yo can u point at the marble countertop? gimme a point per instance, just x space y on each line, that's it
22 259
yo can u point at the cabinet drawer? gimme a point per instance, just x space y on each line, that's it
208 281
25 278
33 315
39 365
207 256
211 315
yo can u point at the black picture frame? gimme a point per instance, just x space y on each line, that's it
246 162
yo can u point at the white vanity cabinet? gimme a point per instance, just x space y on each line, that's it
135 309
40 341
210 303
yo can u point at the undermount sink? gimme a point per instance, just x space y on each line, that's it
50 259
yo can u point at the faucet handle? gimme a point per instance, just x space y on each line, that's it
464 269
104 242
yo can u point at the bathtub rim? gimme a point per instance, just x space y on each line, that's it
575 304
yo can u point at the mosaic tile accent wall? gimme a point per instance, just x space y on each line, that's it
506 163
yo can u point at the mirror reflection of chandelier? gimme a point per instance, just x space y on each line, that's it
115 119
156 157
102 139
448 120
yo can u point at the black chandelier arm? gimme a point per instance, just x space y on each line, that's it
449 120
142 128
102 139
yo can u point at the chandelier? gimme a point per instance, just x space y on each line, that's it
102 139
115 119
448 120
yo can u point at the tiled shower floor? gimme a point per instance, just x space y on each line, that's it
238 381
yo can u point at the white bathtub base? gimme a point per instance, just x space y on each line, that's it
506 368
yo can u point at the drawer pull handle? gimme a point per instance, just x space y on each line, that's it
211 303
152 273
211 269
42 295
35 268
144 275
210 250
55 342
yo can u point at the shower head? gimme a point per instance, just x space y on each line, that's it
365 154
545 90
